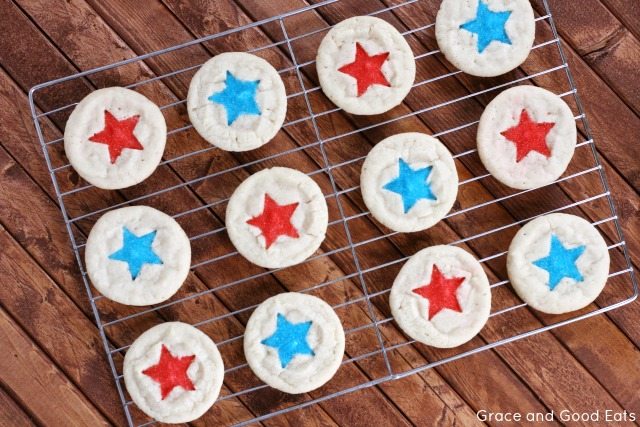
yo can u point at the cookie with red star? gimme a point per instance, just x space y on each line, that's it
294 342
441 297
173 372
237 101
115 138
526 137
277 217
137 255
485 38
409 181
558 263
365 66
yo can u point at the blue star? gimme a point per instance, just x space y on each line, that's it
411 185
561 262
136 251
238 97
289 339
488 25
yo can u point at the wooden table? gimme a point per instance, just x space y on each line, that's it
53 368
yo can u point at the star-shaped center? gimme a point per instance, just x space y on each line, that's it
117 135
275 220
441 292
529 136
238 97
488 25
136 251
171 372
561 262
290 339
367 70
411 184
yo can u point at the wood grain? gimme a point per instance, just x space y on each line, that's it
32 377
598 357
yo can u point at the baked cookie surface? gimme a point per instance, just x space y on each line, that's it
173 372
277 217
558 263
441 297
294 342
137 255
485 38
237 101
526 137
115 138
365 65
409 181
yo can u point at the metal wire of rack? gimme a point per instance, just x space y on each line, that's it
379 362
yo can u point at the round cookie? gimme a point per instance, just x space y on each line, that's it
526 137
558 263
294 342
277 217
365 66
137 255
173 372
485 38
409 181
237 101
115 138
441 297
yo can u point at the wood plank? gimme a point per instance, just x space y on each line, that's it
628 12
11 414
608 47
32 377
38 304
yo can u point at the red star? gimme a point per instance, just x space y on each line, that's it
275 220
529 136
367 70
171 372
441 292
118 135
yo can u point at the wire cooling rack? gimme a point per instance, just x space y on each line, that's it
354 269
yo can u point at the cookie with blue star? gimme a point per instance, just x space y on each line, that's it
558 263
137 255
485 38
294 342
173 372
409 181
237 101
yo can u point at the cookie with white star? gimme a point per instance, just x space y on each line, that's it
137 255
526 137
115 138
173 372
365 66
237 101
558 263
485 38
441 297
277 217
409 181
294 342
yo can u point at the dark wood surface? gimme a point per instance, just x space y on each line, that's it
53 370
